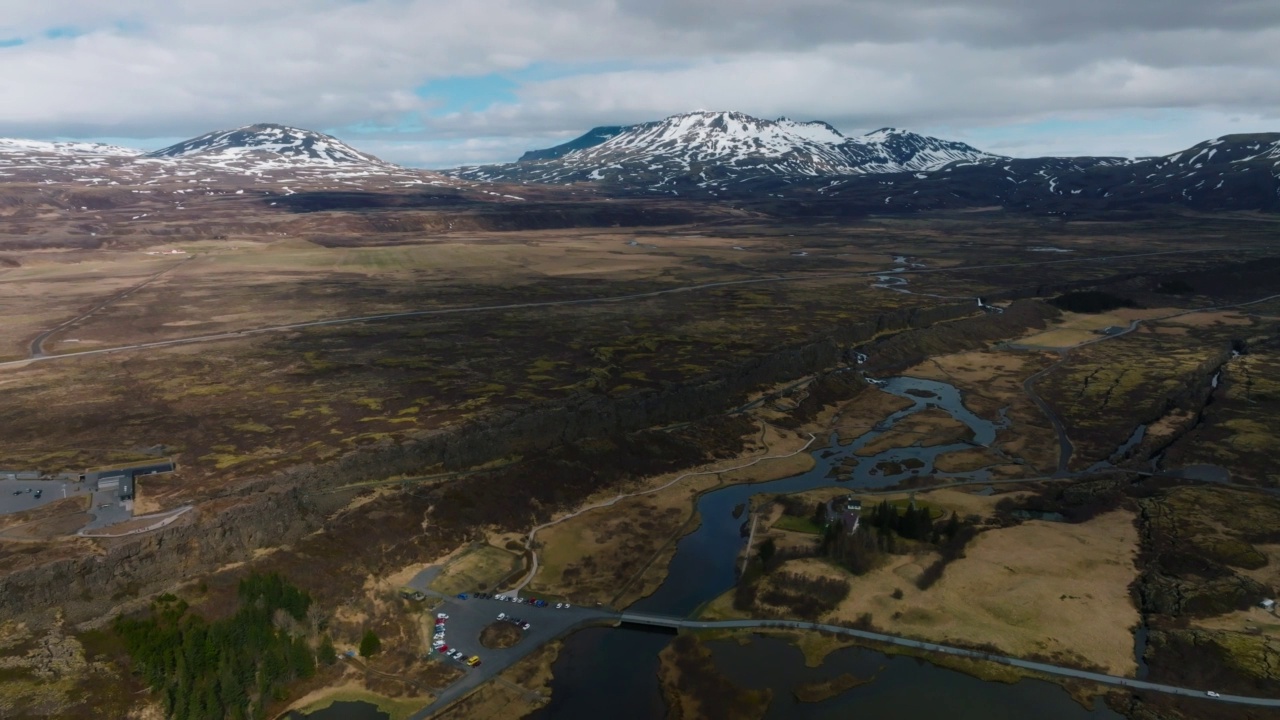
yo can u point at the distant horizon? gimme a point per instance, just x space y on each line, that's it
363 140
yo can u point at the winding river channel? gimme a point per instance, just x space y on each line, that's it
607 672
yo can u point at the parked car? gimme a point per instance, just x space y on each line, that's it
525 626
39 493
442 616
462 596
457 654
559 605
444 649
474 660
567 606
437 644
502 616
1211 693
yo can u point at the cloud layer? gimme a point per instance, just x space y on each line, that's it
1032 75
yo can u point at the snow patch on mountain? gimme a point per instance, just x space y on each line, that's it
268 143
711 149
15 146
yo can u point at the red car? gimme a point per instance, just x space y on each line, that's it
443 649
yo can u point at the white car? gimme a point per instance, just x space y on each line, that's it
456 654
1211 693
437 643
502 616
559 605
442 616
567 606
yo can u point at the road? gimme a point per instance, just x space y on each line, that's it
467 618
231 335
37 344
684 624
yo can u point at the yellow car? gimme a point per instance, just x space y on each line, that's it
474 660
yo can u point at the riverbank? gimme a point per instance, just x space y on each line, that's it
352 692
616 551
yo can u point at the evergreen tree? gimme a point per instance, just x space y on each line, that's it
327 654
369 644
768 549
820 514
953 526
301 660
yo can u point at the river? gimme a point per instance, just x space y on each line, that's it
612 673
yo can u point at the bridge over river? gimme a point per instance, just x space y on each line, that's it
675 623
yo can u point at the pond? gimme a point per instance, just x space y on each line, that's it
346 710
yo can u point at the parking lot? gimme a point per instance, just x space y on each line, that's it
20 495
467 618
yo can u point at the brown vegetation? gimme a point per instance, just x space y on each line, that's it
500 636
694 688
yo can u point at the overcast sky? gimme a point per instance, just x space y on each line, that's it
439 83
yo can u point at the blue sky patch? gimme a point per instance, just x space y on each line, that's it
461 94
63 32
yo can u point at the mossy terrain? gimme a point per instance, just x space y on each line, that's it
1103 391
1240 429
1208 559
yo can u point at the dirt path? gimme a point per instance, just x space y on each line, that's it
37 344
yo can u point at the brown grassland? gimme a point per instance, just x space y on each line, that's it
237 410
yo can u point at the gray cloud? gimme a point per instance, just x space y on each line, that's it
144 69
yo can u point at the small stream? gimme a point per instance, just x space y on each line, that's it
612 672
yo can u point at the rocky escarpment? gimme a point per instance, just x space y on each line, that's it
277 511
87 586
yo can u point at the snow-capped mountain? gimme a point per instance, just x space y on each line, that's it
715 149
267 143
15 146
255 155
1233 172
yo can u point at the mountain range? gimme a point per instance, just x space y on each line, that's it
717 149
781 166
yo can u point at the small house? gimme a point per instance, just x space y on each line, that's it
1269 605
